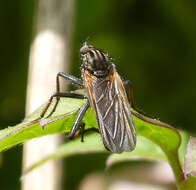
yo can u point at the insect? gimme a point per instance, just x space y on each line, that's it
106 94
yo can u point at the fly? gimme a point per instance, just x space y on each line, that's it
106 94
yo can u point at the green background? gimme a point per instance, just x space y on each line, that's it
153 44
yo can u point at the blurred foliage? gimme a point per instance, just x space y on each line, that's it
153 43
15 34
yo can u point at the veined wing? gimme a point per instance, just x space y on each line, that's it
111 107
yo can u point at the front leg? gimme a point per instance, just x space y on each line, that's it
58 94
71 78
78 119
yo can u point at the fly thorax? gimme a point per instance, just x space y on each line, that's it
96 62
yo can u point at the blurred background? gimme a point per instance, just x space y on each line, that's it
153 44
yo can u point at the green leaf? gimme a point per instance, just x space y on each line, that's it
61 121
182 150
93 143
166 137
188 184
145 150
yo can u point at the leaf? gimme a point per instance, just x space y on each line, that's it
188 184
60 122
92 144
182 150
190 158
166 137
145 150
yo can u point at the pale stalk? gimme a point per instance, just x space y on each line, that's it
49 54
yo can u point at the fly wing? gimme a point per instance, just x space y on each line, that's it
111 107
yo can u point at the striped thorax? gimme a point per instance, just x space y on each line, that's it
94 60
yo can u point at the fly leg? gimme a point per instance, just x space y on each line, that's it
83 131
78 120
130 85
58 94
73 79
81 127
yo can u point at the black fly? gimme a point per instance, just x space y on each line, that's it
106 94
